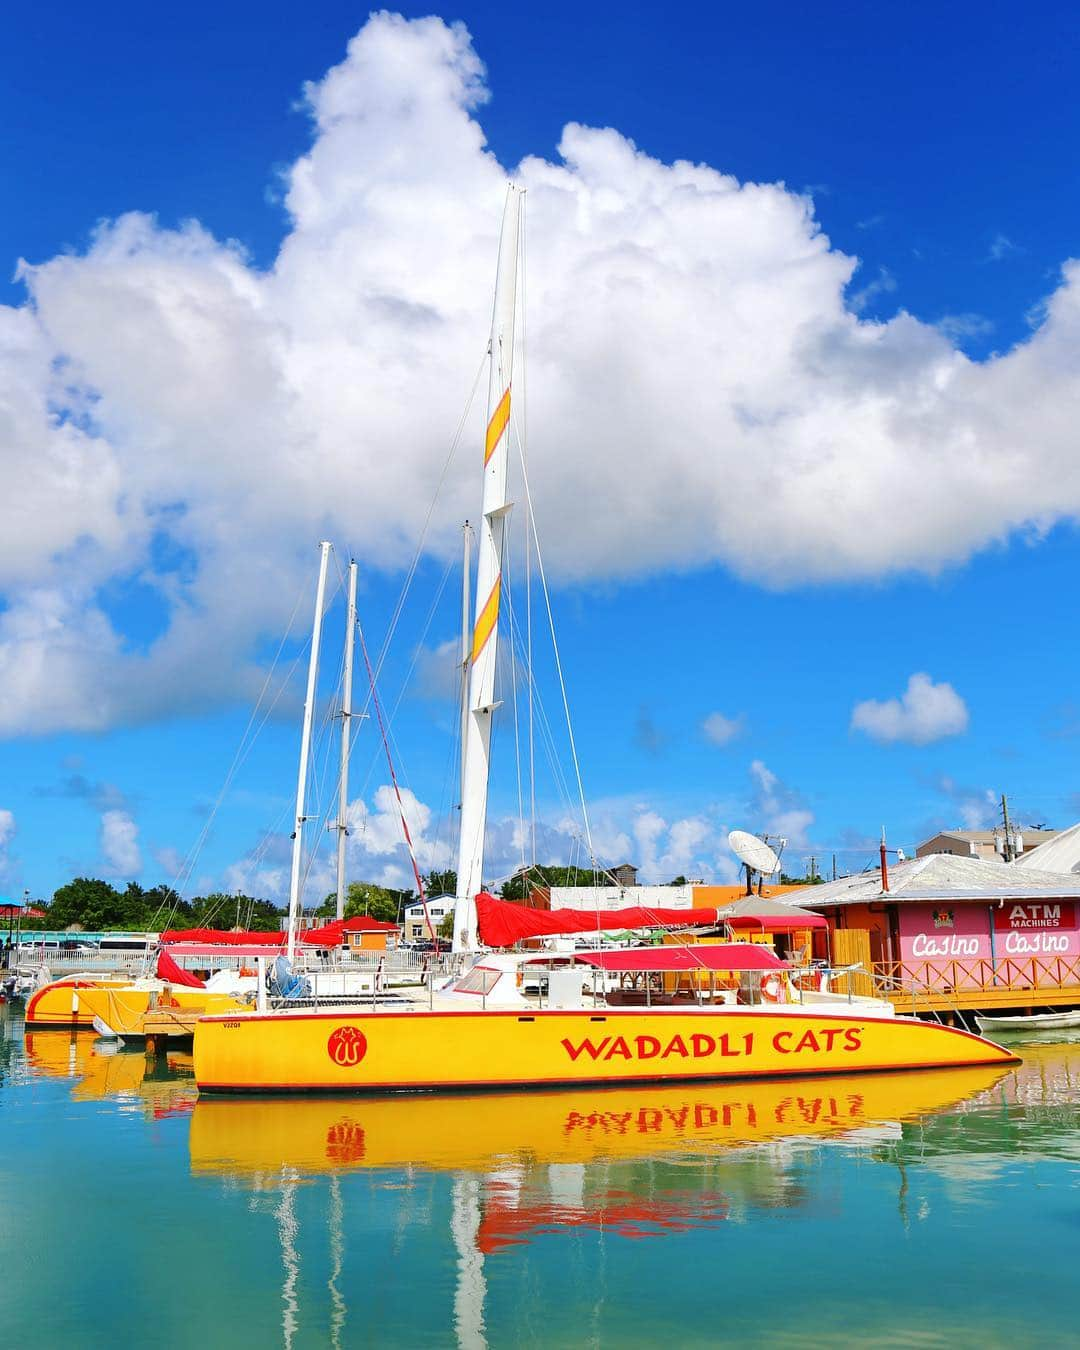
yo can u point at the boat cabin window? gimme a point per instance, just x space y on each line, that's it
478 981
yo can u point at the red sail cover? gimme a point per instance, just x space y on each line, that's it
223 937
501 923
167 969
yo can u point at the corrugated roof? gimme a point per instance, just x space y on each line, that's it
1059 854
944 876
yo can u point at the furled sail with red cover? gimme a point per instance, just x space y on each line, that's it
223 937
167 969
501 923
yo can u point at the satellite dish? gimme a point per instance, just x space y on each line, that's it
755 853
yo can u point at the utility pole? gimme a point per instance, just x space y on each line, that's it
834 867
1008 851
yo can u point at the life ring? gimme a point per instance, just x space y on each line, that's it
772 989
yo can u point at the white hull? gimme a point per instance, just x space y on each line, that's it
1036 1022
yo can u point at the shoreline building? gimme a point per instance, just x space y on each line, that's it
945 932
983 843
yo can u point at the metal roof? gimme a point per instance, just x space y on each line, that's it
944 876
1059 854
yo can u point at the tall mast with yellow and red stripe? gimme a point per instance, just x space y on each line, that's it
476 750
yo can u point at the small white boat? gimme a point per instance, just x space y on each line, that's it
1058 1021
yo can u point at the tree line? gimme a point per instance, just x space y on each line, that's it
95 905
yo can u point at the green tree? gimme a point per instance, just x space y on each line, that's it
88 901
441 883
377 902
529 878
446 926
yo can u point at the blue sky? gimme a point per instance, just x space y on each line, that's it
933 146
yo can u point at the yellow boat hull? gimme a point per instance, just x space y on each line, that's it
60 1004
245 1137
432 1051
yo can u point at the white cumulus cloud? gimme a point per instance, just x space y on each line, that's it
923 713
174 417
7 834
721 730
120 850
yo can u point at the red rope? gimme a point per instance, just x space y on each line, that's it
394 781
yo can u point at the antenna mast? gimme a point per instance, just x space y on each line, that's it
476 750
305 750
346 742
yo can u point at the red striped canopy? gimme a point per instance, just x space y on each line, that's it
501 923
777 923
699 956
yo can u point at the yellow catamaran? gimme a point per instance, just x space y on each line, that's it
669 1014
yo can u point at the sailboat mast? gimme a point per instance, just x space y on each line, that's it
466 642
305 750
346 741
489 566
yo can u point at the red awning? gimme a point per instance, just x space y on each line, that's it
216 951
699 956
333 934
501 923
777 923
220 937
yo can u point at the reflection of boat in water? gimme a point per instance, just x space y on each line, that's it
165 1086
318 1135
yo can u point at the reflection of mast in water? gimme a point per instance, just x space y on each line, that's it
290 1257
337 1254
471 1287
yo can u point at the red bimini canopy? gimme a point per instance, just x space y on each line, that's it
501 923
699 956
223 937
333 934
777 923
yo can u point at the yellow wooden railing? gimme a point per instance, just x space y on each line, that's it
1013 974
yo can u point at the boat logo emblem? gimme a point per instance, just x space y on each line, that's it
347 1046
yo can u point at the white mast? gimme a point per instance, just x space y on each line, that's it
477 745
346 739
305 750
466 643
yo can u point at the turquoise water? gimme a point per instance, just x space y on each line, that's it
930 1209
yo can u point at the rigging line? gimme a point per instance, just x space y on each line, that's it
393 778
523 434
182 879
244 750
547 738
323 738
558 661
510 656
408 675
430 512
